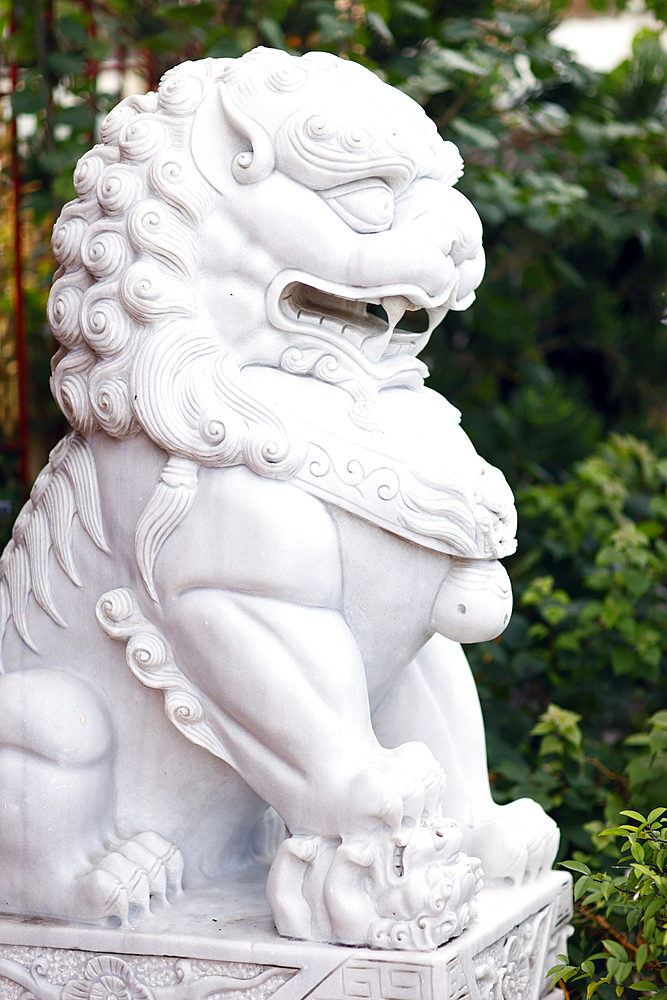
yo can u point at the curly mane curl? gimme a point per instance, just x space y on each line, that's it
132 354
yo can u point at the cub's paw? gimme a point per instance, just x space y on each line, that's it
145 870
516 842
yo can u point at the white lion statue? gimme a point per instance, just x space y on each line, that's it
243 577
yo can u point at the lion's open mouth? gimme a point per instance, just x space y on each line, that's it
335 316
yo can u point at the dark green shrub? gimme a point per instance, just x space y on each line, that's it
589 635
625 914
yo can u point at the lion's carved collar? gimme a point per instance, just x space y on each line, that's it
399 460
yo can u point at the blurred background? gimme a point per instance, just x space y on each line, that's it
560 366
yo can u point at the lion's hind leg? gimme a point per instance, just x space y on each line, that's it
56 758
56 808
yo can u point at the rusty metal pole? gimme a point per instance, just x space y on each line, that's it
19 300
92 66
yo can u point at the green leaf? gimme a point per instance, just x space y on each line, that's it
67 63
645 871
654 906
616 949
332 29
606 888
559 972
643 984
656 813
79 116
452 59
637 740
624 971
576 866
272 33
623 660
637 851
641 956
613 965
413 9
477 134
633 815
26 102
190 14
581 885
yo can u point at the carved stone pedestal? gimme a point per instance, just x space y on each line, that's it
207 947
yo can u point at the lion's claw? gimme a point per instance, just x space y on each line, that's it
517 842
121 886
169 856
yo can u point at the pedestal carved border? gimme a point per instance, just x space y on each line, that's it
477 965
60 974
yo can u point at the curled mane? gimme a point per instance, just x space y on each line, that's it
132 353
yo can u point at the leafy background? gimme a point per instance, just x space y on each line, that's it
560 369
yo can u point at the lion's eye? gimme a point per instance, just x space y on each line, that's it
367 206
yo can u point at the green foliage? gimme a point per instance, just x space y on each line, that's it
586 649
565 167
626 913
602 531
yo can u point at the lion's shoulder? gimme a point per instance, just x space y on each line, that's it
256 535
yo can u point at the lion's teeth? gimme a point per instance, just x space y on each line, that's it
305 314
356 337
350 320
331 323
395 307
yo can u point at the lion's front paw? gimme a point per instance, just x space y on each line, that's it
516 842
123 883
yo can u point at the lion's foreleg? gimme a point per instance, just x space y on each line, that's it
283 688
288 686
435 700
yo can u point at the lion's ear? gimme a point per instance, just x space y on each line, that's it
221 135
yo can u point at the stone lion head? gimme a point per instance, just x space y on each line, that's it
407 887
249 210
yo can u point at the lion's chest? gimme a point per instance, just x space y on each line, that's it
389 587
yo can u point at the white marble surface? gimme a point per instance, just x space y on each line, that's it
506 951
244 576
